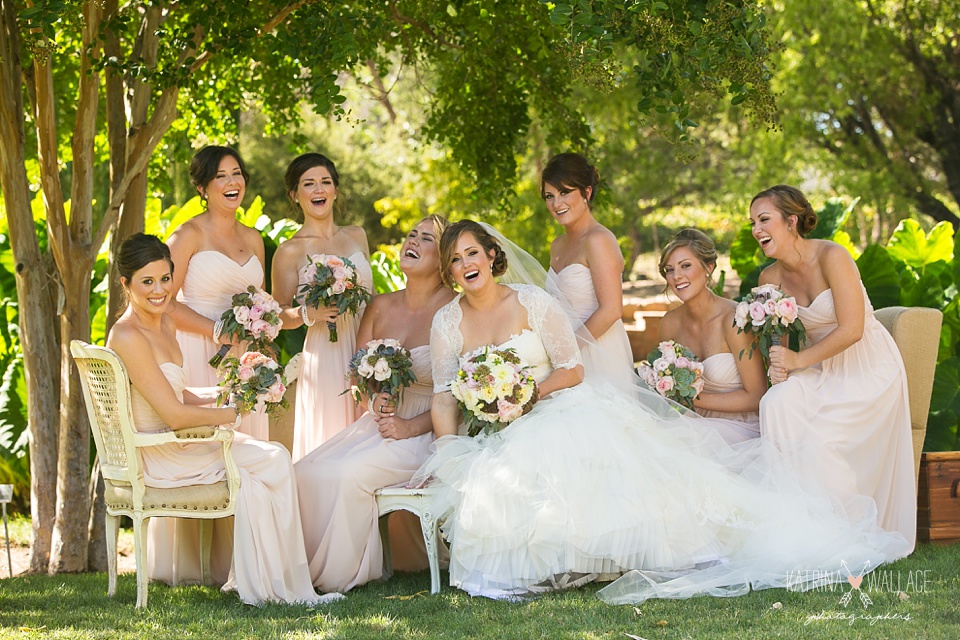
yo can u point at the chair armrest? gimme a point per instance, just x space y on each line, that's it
192 434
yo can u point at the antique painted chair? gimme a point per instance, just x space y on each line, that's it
106 390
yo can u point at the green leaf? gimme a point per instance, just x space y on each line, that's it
879 276
910 245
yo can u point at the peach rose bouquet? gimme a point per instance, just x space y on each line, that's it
253 318
769 315
673 371
332 281
253 381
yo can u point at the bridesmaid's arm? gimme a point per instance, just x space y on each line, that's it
201 395
148 378
752 375
606 271
284 282
841 275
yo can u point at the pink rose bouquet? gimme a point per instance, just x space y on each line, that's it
252 381
332 281
493 388
769 315
254 318
673 371
382 366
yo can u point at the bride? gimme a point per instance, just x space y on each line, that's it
591 481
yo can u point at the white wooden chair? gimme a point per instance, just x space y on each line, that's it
106 390
420 503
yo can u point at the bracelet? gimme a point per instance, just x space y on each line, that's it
217 330
238 419
306 318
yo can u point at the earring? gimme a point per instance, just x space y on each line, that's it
585 201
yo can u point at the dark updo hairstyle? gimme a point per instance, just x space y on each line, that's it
206 162
138 251
699 244
570 170
489 244
790 201
303 163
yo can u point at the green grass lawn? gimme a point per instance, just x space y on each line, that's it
76 606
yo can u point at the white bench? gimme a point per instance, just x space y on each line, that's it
420 503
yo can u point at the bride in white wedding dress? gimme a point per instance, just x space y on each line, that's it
593 481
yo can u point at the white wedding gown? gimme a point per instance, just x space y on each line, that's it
591 481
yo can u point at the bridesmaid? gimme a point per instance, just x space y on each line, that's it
586 266
733 385
270 565
385 446
313 184
218 257
840 412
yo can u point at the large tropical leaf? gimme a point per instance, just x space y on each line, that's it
911 245
879 276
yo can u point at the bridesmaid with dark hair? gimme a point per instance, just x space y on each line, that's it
269 565
586 266
840 411
313 185
217 257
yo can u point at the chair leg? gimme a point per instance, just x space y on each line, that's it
206 542
385 543
429 527
140 552
112 529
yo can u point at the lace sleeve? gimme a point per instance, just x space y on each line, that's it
547 318
446 343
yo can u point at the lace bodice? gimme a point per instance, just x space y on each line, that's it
548 344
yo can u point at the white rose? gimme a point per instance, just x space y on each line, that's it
381 370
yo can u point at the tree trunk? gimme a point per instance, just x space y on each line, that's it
70 539
37 338
97 550
131 221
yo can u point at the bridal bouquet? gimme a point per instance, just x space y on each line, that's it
382 366
768 314
253 317
494 388
332 281
674 372
253 381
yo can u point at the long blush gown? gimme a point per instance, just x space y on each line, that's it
211 281
336 484
321 411
847 419
720 375
591 481
269 565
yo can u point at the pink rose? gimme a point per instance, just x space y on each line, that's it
308 273
661 365
771 307
338 287
787 310
275 391
758 314
664 385
252 358
259 327
508 411
242 314
245 372
340 273
333 262
256 312
742 314
683 363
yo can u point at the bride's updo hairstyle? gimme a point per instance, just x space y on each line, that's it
489 244
203 167
699 244
138 251
299 166
570 170
790 201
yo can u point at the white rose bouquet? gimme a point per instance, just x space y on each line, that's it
674 372
768 314
332 281
252 381
493 387
253 318
382 366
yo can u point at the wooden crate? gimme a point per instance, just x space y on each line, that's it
938 505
